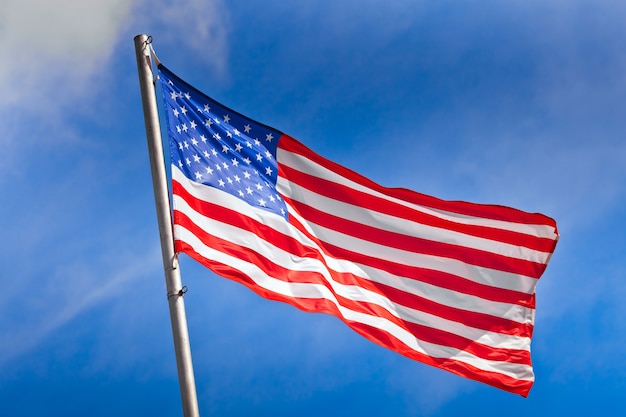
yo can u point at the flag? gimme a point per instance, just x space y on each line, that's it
448 283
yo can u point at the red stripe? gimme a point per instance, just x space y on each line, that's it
495 379
421 332
428 276
494 212
357 198
418 245
472 319
371 333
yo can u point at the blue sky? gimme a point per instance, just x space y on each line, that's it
518 103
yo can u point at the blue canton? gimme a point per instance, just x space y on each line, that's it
218 147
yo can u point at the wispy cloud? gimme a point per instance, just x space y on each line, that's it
55 59
71 289
199 27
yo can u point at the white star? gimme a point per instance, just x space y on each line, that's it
173 94
217 136
208 122
196 158
282 211
268 171
249 190
225 165
175 112
218 167
257 142
229 180
178 128
259 186
170 83
193 124
187 96
224 148
198 175
269 137
207 108
262 202
235 162
236 132
187 161
221 182
185 127
248 144
268 154
206 154
186 145
180 163
180 146
203 138
241 194
247 160
238 147
226 118
230 135
246 174
247 128
237 178
209 170
183 110
259 157
213 151
272 199
194 141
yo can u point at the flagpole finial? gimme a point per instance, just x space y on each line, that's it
146 42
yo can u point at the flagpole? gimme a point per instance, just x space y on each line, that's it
173 283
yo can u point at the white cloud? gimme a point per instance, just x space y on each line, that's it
55 54
42 39
51 53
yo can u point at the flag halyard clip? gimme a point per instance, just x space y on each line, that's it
154 55
179 293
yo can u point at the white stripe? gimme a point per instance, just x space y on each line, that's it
250 240
481 275
304 164
317 291
403 226
440 295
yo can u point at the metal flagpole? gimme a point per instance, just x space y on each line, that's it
172 274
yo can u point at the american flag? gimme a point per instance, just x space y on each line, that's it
448 283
